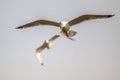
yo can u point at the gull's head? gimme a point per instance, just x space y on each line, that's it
47 41
63 24
49 44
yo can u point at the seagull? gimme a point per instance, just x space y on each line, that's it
65 25
47 44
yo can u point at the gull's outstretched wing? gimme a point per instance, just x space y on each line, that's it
39 22
38 53
53 38
87 17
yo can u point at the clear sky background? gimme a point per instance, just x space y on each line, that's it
95 55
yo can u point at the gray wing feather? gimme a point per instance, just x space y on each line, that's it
39 49
39 22
54 37
87 17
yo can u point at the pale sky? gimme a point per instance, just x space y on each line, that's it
95 55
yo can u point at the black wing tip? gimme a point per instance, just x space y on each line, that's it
19 27
42 64
110 16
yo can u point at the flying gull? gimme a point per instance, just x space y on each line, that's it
47 44
64 25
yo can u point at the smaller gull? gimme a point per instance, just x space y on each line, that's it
47 44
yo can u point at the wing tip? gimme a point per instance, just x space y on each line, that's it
111 15
42 64
19 27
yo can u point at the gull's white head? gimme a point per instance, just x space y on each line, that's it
49 44
47 41
63 23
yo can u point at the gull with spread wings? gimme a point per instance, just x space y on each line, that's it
47 44
65 26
